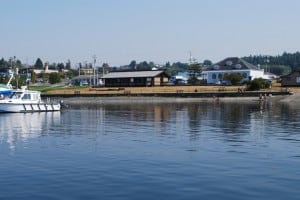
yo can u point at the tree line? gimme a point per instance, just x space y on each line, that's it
279 65
16 63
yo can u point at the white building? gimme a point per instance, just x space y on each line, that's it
215 73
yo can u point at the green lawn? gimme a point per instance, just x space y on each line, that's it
45 89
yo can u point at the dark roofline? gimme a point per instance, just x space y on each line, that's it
235 61
135 74
289 74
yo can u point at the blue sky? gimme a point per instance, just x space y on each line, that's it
119 31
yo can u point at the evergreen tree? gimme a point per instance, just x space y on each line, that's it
60 66
195 70
132 65
207 63
3 63
68 65
39 64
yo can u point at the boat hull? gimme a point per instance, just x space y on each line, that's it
29 107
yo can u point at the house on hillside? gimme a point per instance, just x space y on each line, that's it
292 79
136 78
215 73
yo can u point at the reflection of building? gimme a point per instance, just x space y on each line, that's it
136 78
215 73
161 113
292 79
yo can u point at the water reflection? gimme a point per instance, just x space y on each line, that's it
24 126
233 120
167 150
230 122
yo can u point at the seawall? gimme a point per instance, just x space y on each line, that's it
178 94
144 98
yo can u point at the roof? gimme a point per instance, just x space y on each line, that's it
133 74
291 74
232 63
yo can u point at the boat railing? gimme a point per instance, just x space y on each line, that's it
52 100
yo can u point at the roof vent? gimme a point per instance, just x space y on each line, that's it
216 67
228 63
238 66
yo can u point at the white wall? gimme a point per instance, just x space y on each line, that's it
256 74
219 75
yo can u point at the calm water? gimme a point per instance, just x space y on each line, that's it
154 151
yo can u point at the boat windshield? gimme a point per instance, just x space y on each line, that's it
15 95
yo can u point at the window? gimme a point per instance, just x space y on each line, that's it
214 76
220 76
298 79
26 97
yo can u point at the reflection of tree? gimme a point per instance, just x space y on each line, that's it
234 120
195 113
231 121
285 117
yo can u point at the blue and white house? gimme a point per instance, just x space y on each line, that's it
215 74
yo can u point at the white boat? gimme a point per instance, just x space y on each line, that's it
23 100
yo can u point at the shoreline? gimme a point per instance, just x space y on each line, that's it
80 97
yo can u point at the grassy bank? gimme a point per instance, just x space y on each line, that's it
143 90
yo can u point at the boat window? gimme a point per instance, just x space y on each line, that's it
15 96
26 97
35 96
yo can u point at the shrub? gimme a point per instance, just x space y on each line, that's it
234 78
257 84
54 78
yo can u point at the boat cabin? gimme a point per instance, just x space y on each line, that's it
26 95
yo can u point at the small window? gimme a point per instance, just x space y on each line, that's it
214 76
298 79
26 97
220 76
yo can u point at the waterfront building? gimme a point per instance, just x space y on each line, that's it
136 78
215 73
292 79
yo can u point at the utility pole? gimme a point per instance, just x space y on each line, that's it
267 61
94 59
